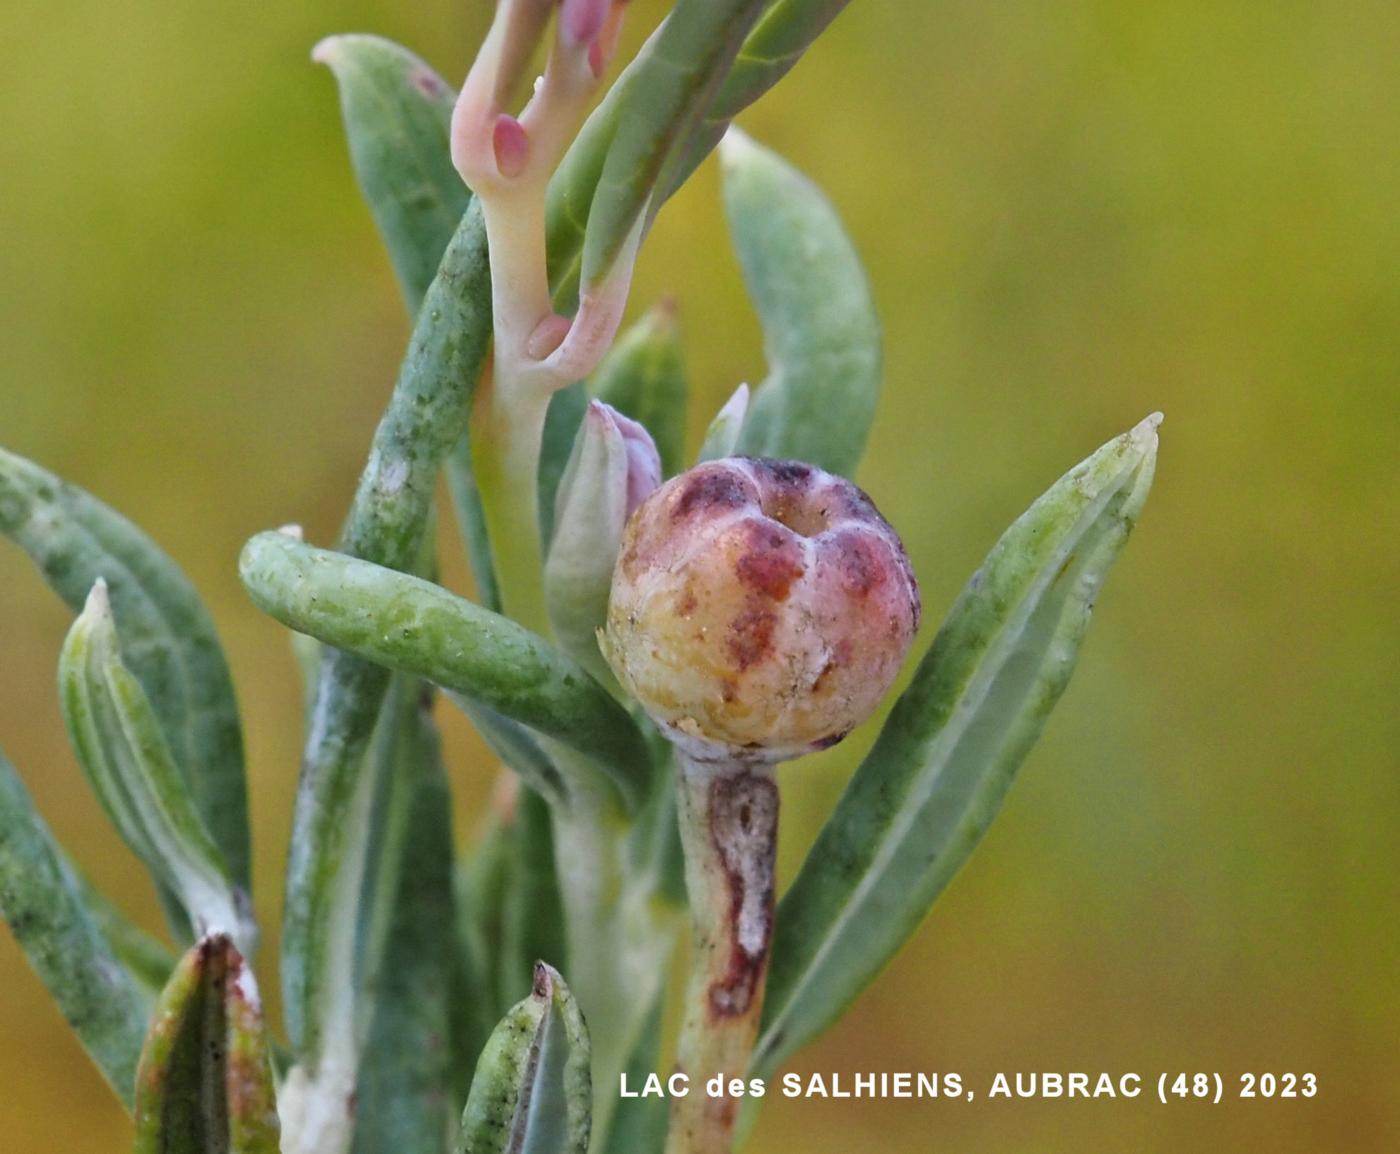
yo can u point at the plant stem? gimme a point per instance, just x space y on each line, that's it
507 431
728 813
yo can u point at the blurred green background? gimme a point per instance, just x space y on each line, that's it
1073 214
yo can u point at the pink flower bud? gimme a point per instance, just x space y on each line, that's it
643 461
762 606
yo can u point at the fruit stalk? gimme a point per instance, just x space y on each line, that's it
728 812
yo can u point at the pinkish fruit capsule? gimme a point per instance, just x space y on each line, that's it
760 606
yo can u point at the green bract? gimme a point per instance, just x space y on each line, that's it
532 1087
205 1083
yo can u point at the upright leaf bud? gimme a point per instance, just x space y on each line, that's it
759 608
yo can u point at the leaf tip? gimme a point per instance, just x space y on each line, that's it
542 986
99 600
1143 435
325 50
738 404
736 146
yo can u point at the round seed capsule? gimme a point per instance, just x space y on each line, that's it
759 606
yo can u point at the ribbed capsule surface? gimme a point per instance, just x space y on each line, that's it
760 605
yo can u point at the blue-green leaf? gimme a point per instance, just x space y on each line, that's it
532 913
565 414
397 111
388 522
471 522
638 1125
404 1091
60 935
532 1087
516 746
776 43
168 640
820 331
925 794
722 437
128 761
639 127
145 957
783 31
409 624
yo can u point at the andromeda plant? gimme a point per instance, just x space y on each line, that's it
647 642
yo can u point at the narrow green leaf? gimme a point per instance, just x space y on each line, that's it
657 102
722 437
482 880
927 791
427 412
570 196
776 43
532 911
471 522
561 423
406 623
404 1091
654 842
397 111
129 763
638 1125
168 640
516 747
60 935
145 957
425 418
781 34
643 377
205 1082
511 910
532 1086
819 326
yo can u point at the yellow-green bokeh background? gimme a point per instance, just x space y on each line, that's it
1073 213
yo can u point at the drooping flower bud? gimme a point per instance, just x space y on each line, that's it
759 608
